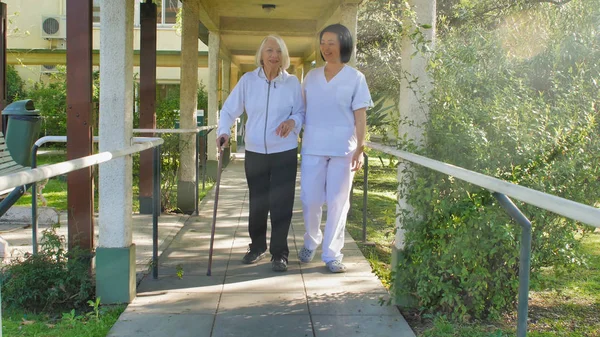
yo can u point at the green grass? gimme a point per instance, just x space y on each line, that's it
563 303
66 325
381 209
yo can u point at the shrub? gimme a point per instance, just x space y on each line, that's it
49 281
167 111
51 100
15 85
531 119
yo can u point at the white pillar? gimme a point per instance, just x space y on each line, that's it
415 87
226 76
213 86
115 256
188 104
319 62
349 13
116 121
225 90
306 67
234 76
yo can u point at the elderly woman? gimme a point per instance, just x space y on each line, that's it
337 98
273 101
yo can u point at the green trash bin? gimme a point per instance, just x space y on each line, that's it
22 130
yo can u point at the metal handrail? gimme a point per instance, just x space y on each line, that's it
30 176
193 130
565 207
60 139
501 190
197 131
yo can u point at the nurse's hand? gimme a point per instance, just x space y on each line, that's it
222 141
284 129
357 159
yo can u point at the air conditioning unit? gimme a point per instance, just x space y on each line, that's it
48 69
54 27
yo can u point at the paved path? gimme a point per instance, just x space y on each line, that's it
252 300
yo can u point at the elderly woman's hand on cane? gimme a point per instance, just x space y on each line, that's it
222 141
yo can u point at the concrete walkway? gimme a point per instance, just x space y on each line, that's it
252 300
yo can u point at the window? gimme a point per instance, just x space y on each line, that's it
96 11
166 11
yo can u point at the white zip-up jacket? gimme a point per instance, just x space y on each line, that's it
267 105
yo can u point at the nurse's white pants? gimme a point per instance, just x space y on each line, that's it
326 180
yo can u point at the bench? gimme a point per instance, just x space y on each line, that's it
8 166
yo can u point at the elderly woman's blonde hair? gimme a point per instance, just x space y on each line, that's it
285 56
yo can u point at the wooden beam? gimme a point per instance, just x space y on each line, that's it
147 99
3 62
80 192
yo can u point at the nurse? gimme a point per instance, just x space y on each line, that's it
337 97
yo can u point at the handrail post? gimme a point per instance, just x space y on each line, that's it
365 193
34 223
205 158
155 209
524 261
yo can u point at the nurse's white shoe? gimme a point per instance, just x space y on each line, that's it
336 266
306 255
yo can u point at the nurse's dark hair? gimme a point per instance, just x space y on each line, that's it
344 37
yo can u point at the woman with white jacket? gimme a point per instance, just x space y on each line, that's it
273 101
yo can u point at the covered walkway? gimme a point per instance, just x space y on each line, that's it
252 300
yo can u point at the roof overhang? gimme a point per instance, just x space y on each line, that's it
242 25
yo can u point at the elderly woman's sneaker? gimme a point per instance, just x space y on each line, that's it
336 266
253 256
306 255
279 264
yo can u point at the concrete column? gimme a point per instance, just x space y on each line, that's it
299 72
213 87
306 67
115 256
225 90
349 13
415 87
318 59
234 77
226 76
186 186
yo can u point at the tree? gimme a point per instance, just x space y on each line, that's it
508 108
459 12
15 84
378 57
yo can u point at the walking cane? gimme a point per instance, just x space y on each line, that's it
214 220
